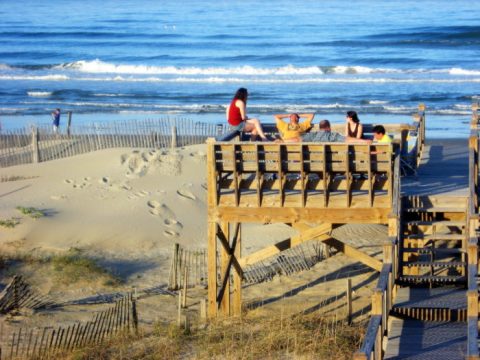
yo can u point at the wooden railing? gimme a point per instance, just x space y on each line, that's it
327 175
384 293
472 243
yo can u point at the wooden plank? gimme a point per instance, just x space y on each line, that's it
290 214
212 269
356 254
319 232
225 261
237 277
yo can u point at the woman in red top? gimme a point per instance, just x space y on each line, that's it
237 115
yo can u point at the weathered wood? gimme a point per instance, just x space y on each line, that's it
307 234
286 215
349 300
356 254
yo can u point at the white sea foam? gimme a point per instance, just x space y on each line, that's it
377 102
40 77
458 71
100 67
39 93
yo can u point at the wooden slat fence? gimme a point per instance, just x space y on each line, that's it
45 343
39 143
294 260
193 262
18 294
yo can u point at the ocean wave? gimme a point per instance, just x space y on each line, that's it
39 93
253 80
38 77
100 67
457 71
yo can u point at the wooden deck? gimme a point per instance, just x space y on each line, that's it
425 304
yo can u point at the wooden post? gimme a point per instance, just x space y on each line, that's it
185 285
69 122
174 137
349 301
237 277
225 261
212 269
35 150
179 311
203 309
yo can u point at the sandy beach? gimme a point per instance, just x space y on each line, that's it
125 209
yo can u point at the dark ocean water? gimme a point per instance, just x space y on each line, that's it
112 59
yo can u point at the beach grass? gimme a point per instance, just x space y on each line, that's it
299 337
74 266
32 212
9 223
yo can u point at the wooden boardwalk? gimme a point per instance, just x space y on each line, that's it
425 304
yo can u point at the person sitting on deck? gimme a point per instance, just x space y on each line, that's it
325 134
380 136
292 130
353 128
236 114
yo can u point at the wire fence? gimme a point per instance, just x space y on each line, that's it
40 143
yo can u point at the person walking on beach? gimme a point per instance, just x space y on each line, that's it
291 131
56 120
237 116
353 128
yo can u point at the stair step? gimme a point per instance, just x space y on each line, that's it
436 237
436 222
429 250
419 279
437 264
435 209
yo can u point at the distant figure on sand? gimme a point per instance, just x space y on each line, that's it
325 134
237 116
353 128
56 120
380 135
292 130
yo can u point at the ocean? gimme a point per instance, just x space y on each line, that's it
139 59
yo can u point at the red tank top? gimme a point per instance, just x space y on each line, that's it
234 115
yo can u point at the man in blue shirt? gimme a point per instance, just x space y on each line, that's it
56 120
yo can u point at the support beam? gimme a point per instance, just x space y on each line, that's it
350 251
295 214
346 249
320 232
212 269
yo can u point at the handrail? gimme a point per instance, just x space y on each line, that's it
384 293
472 243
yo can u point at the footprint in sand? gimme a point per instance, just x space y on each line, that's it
87 178
153 204
204 186
58 197
173 224
199 156
161 210
68 181
187 194
170 233
104 180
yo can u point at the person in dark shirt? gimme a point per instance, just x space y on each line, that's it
56 120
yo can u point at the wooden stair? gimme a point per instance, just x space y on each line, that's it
434 237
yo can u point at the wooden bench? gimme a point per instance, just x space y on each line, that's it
303 175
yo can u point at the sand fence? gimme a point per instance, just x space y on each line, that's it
45 342
39 143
